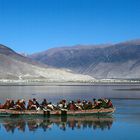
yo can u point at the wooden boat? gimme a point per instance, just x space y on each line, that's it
63 112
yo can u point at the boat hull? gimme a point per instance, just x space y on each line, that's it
10 113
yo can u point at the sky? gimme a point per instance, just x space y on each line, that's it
36 25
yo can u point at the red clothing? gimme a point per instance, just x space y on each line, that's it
72 107
110 104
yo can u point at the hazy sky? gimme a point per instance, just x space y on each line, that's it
35 25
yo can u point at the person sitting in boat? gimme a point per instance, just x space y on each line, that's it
50 106
72 106
103 103
31 105
44 104
20 104
89 105
62 104
12 104
36 103
9 104
85 104
6 105
79 104
109 104
96 104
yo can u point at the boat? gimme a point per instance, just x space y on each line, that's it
62 112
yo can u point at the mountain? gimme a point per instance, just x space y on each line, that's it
17 67
121 60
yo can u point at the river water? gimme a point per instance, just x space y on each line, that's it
124 124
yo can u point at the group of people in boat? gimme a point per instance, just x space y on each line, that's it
63 104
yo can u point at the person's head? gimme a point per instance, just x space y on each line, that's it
64 101
30 101
78 101
7 99
84 101
12 101
94 99
34 99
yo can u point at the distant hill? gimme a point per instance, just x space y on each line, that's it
120 60
17 67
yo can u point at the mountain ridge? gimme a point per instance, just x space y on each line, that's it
120 60
17 67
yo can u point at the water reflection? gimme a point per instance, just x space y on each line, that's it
34 124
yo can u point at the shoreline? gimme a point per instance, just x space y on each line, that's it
69 83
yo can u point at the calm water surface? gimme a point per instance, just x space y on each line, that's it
124 124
